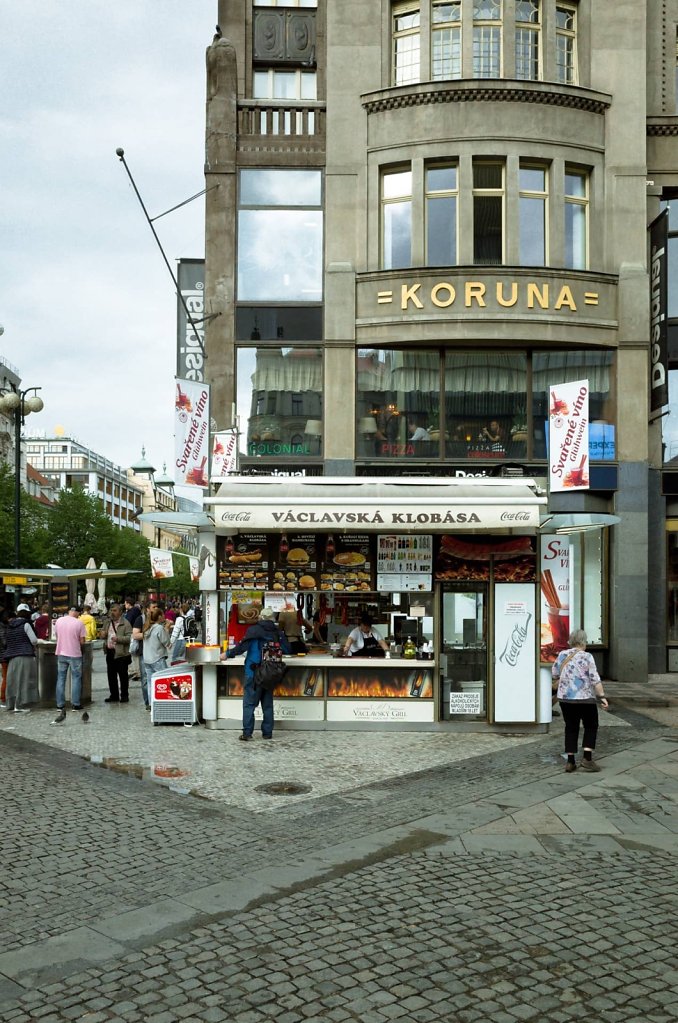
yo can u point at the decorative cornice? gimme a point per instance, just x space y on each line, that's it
662 126
480 92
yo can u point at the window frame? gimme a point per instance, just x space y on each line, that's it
455 28
566 34
582 202
530 30
386 202
430 197
478 193
401 10
534 195
491 29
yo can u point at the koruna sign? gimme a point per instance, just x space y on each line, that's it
437 518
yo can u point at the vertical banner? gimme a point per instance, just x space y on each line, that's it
191 433
194 565
659 351
161 563
555 596
515 667
224 455
190 342
569 436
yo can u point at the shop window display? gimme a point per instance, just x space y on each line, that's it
279 402
551 368
398 403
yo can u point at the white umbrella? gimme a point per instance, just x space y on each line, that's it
90 599
102 587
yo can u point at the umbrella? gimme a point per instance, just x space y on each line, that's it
102 588
90 582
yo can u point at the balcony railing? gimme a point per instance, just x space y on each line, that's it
293 124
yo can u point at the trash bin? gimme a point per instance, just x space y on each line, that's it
47 673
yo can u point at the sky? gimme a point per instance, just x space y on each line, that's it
87 304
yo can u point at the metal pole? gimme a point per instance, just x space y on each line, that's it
17 483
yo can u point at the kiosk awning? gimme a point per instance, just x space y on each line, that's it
375 504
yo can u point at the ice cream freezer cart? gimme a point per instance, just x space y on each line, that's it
175 697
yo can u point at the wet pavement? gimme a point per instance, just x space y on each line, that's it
417 876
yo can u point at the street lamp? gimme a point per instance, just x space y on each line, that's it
19 404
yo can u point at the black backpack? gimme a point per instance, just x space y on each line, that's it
191 630
271 668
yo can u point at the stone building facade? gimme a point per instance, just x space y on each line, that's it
426 213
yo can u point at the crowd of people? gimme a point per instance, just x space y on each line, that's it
139 639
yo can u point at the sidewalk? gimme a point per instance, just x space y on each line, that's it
211 763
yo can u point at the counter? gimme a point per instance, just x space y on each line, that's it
320 690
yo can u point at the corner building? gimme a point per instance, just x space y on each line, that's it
427 213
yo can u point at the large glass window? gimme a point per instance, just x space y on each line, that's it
566 40
406 44
533 198
488 212
442 191
397 404
485 399
528 28
279 402
396 198
552 368
576 218
446 40
280 236
487 39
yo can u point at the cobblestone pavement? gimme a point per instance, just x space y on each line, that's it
463 880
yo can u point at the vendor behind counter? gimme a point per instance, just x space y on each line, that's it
292 623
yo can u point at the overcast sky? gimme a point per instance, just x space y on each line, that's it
87 304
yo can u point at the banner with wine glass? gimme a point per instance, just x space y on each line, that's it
569 436
191 433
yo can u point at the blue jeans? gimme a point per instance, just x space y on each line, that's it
145 673
63 664
252 697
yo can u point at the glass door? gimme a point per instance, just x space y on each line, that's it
463 652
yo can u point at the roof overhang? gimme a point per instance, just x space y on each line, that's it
66 574
375 504
577 522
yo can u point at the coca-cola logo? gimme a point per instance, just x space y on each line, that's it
515 516
515 643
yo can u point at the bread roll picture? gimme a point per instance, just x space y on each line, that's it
307 582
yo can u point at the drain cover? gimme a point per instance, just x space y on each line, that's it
283 788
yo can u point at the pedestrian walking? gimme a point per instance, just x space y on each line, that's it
131 613
117 637
579 689
263 631
22 668
70 636
4 621
138 635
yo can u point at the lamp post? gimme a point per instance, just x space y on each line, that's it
19 404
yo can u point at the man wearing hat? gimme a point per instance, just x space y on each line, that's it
263 631
22 667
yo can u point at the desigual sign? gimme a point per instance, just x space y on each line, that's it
493 296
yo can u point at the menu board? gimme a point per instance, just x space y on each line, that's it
244 562
347 563
404 563
294 562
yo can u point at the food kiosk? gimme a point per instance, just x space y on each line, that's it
450 565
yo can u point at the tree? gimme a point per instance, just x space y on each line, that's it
34 541
78 529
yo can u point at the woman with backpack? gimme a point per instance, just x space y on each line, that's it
179 635
258 636
157 641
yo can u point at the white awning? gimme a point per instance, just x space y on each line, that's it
375 504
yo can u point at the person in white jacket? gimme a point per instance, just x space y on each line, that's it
179 636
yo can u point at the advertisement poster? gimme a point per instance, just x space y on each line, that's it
347 563
173 687
380 685
224 455
515 697
569 436
194 567
404 563
297 682
555 596
244 562
294 562
161 563
459 559
191 433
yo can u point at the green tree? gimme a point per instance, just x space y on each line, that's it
34 539
180 585
78 529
